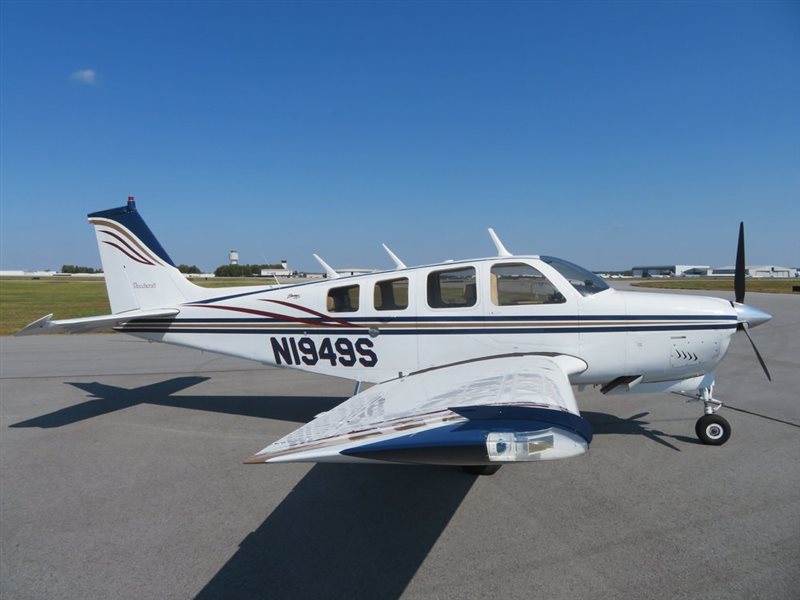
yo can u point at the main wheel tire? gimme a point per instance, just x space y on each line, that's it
712 430
483 469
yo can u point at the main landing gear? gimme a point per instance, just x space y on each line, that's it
711 429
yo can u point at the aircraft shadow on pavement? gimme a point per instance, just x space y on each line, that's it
606 424
300 409
108 399
345 531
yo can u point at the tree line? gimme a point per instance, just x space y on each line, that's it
223 271
189 269
242 270
79 269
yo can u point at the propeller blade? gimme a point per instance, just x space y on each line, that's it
746 329
738 278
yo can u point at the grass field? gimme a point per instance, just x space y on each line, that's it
24 300
775 286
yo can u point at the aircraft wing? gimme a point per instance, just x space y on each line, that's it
479 412
82 325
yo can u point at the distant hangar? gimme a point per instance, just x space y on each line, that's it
707 271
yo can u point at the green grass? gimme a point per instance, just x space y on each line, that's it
25 300
775 286
217 282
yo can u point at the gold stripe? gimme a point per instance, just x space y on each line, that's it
365 327
130 237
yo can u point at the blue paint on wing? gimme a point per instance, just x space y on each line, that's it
465 443
495 413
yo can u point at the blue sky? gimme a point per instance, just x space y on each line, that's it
607 133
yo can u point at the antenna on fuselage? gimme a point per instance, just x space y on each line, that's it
501 250
398 263
328 269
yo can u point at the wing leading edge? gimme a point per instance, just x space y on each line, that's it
489 411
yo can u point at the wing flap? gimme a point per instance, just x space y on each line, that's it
82 325
492 410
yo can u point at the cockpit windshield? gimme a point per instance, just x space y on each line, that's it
586 282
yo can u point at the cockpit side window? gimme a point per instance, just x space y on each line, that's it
452 288
343 299
583 280
515 284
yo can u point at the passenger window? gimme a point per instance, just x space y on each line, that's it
514 284
343 299
391 294
452 288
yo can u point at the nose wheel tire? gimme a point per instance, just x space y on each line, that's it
712 430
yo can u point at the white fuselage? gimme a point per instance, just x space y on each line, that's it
347 328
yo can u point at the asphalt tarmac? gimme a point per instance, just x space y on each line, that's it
122 477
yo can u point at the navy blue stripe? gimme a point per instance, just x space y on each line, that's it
479 319
455 319
220 298
261 290
460 331
445 319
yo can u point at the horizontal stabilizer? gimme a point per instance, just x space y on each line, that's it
82 325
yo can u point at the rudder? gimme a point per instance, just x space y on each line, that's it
138 271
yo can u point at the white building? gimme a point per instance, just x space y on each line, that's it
284 271
347 272
276 272
342 272
670 270
758 271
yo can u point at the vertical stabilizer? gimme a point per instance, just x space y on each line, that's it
138 271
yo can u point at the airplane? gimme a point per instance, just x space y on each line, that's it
473 361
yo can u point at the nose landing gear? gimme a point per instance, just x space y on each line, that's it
711 429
